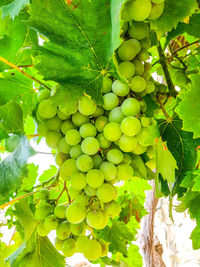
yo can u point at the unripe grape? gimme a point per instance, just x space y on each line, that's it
115 156
111 101
99 112
137 84
75 151
78 229
90 191
73 137
106 193
54 124
97 160
146 75
121 88
90 146
112 131
127 143
73 193
47 109
42 129
130 126
87 130
44 194
86 106
139 149
61 158
76 213
116 115
109 170
53 139
104 143
127 159
129 49
147 66
100 123
147 136
104 248
139 67
62 115
143 55
60 211
79 119
63 146
59 244
66 126
145 43
127 70
41 229
113 209
68 110
156 11
138 30
94 218
84 163
43 94
80 243
130 107
139 10
104 222
69 247
124 172
78 180
82 198
92 250
51 222
63 230
42 211
107 85
68 168
95 178
150 87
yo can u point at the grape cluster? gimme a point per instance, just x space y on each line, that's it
98 145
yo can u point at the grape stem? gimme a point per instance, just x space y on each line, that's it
63 190
183 47
168 118
163 62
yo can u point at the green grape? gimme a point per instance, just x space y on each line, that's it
43 94
44 194
139 67
68 109
80 243
129 49
127 70
42 211
86 106
90 146
143 105
78 119
69 247
157 1
139 10
146 75
59 244
78 180
76 213
130 107
73 193
99 112
139 149
40 118
66 126
90 191
138 30
47 109
42 129
151 152
115 156
104 222
63 146
103 142
100 123
143 55
120 88
112 131
87 130
104 248
82 198
127 143
124 172
156 11
107 85
92 250
150 87
62 115
109 170
145 43
137 84
84 163
146 122
127 159
54 124
147 66
97 160
41 229
60 211
75 151
116 115
130 126
147 136
106 193
68 168
78 229
111 101
113 209
95 178
51 222
61 158
94 218
63 230
53 139
73 137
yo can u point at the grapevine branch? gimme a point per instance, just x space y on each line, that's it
163 109
183 47
163 62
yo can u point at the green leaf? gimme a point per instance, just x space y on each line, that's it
3 133
48 174
165 162
195 236
12 142
14 8
12 167
134 258
152 107
188 109
30 177
174 12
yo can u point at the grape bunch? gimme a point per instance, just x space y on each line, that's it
98 145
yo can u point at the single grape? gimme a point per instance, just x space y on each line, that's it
76 213
51 222
111 101
47 109
157 1
156 11
66 126
145 43
86 106
69 247
116 115
115 156
68 168
143 55
106 193
63 230
69 109
127 159
127 70
78 119
53 139
62 115
97 160
60 211
78 229
129 49
63 146
104 248
42 211
54 124
139 67
137 84
59 244
82 198
40 118
104 222
147 66
139 10
124 172
109 170
146 75
41 229
130 126
138 30
84 163
42 129
94 218
95 178
107 85
43 94
90 191
60 158
75 151
120 88
73 137
130 107
113 209
112 131
100 123
78 180
127 143
99 112
90 146
44 194
147 136
150 87
103 142
92 250
80 243
73 193
87 130
139 149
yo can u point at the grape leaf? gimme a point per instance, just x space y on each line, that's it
3 133
195 236
174 12
12 142
12 167
14 8
188 108
30 177
48 174
134 258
